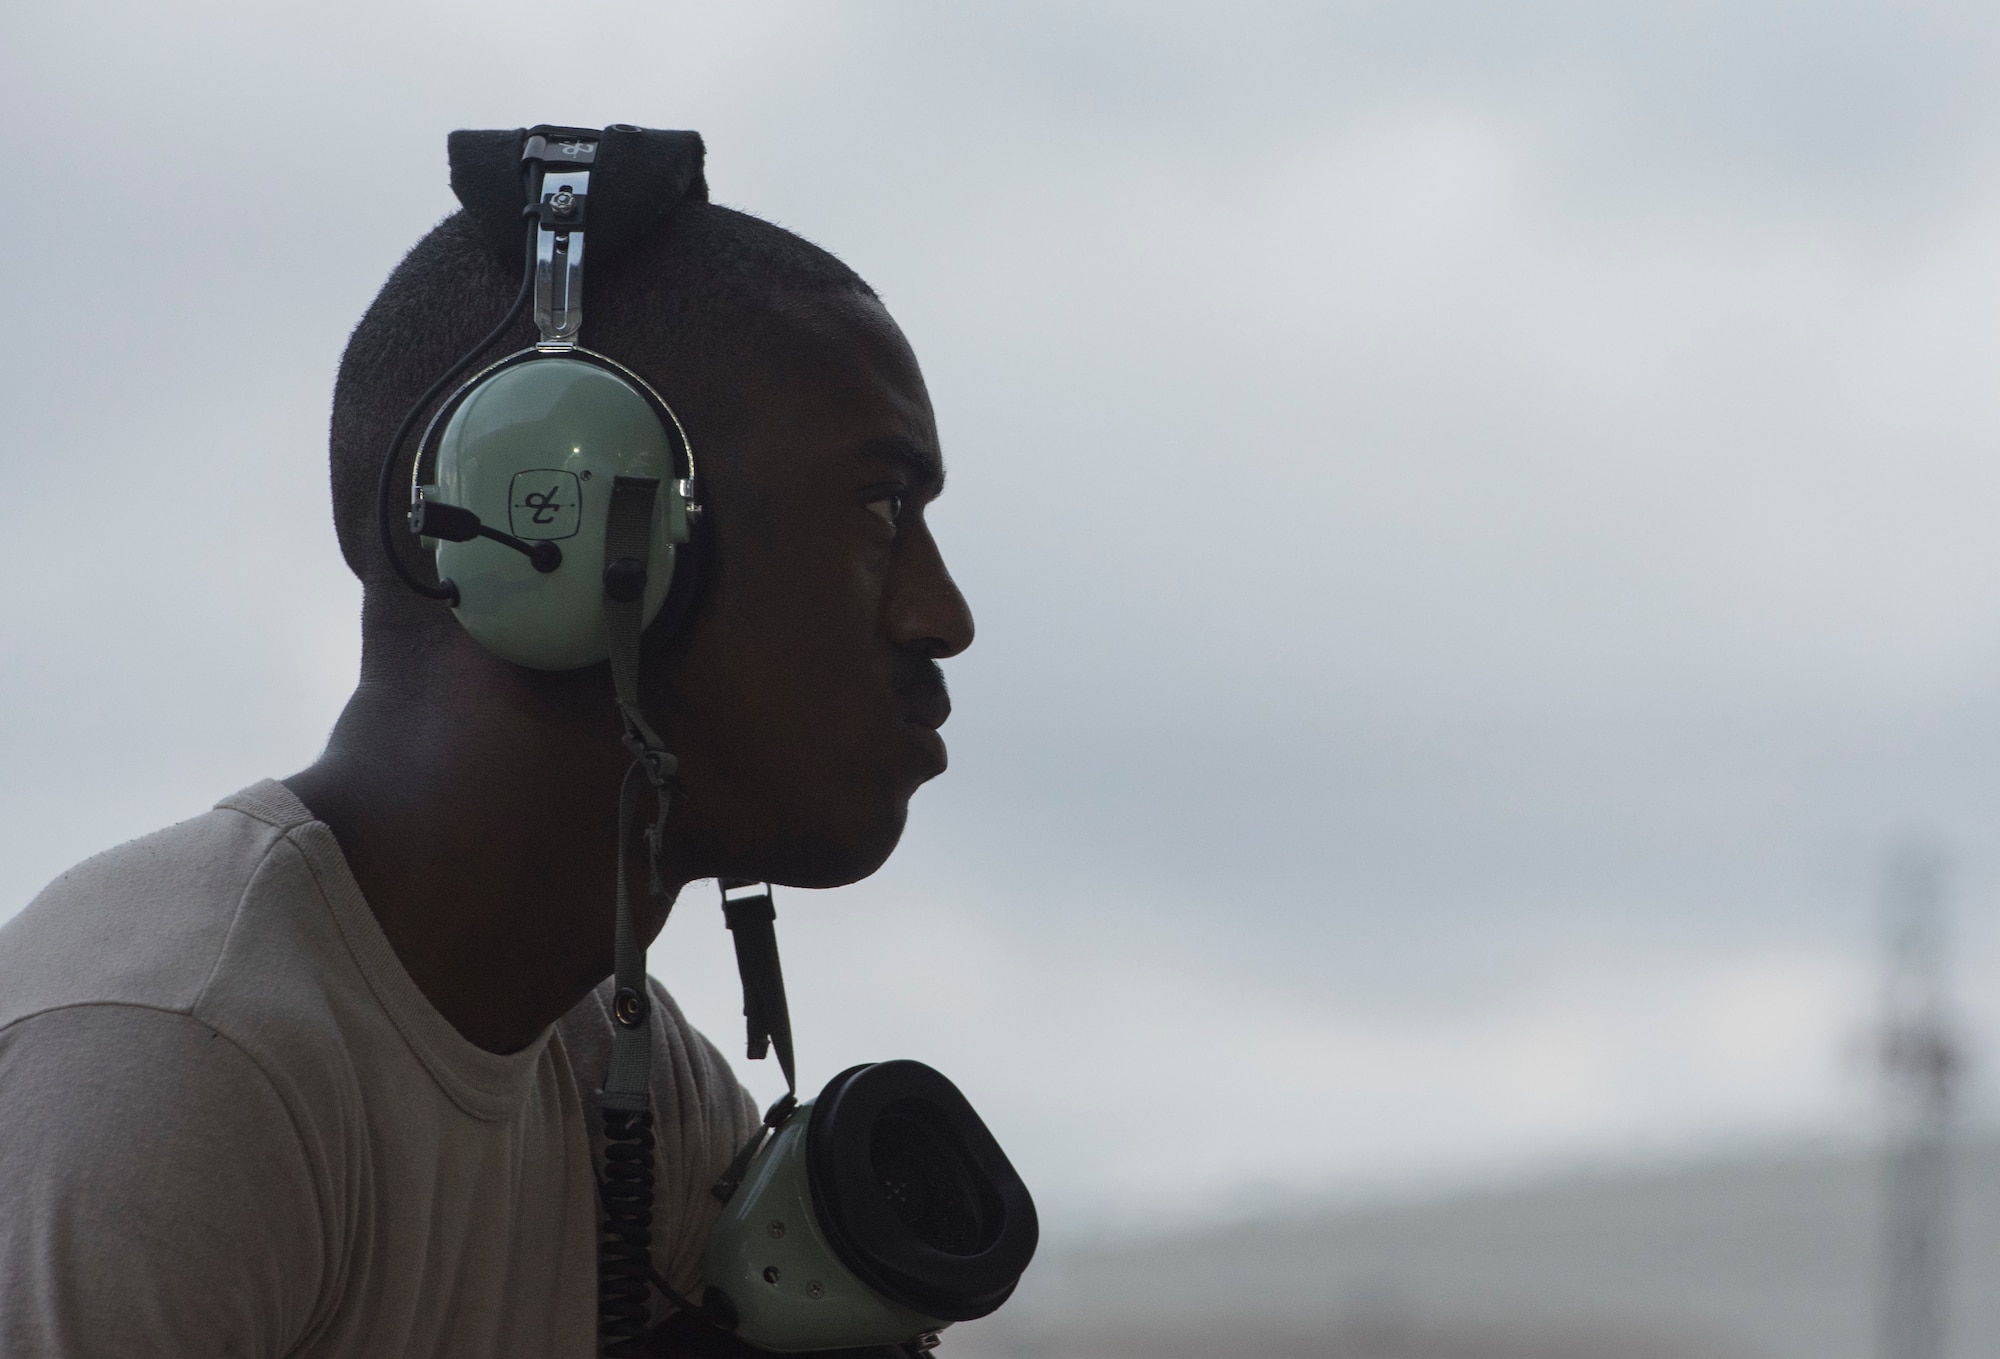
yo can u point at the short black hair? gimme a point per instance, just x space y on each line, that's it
680 306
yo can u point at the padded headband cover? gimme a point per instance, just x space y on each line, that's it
640 176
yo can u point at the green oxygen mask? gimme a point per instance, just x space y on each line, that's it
877 1214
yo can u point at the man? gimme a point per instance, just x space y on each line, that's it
307 1075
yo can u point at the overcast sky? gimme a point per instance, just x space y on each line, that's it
1481 522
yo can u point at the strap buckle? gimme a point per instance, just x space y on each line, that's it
776 1117
659 765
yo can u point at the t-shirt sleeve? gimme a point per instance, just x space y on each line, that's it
158 1199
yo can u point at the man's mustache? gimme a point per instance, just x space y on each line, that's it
920 690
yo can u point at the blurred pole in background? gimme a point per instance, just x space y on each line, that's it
1921 1064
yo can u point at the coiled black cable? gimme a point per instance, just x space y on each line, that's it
625 1245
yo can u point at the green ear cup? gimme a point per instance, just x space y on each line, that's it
532 450
784 1281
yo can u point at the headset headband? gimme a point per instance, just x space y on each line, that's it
638 177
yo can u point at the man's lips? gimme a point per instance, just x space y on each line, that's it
922 698
928 710
935 758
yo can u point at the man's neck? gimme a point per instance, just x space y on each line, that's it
487 853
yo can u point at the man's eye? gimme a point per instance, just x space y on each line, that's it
890 507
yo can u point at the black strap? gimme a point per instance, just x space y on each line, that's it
752 922
628 535
767 1019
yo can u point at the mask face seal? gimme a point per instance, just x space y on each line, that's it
881 1211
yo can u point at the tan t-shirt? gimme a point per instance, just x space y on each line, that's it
231 1125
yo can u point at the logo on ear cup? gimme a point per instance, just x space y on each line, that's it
544 503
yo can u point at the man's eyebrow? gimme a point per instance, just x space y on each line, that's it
925 465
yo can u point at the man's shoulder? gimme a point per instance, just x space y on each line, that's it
145 923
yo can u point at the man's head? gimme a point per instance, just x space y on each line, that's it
801 695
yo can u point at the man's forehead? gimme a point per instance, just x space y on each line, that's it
843 366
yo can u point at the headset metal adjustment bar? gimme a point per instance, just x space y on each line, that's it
561 212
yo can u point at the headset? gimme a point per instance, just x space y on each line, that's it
558 493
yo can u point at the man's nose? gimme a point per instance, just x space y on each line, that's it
926 611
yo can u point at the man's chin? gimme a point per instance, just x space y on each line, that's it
836 859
